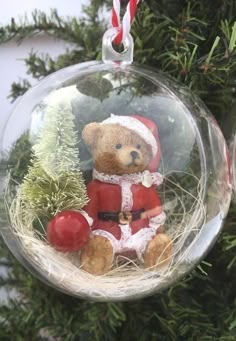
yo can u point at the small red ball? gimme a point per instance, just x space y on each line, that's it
68 231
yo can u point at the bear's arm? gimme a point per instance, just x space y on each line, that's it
92 207
153 204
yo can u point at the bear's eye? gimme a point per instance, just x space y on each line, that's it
118 146
138 146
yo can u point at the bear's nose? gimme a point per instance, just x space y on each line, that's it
134 154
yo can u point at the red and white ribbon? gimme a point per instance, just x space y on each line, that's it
124 28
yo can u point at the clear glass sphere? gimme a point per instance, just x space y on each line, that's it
229 129
43 136
233 163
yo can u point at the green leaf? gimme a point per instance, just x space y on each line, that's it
95 86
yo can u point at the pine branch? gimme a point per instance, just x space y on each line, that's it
71 30
18 89
194 41
193 51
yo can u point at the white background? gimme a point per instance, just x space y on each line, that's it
12 66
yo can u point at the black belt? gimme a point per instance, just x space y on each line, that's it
122 217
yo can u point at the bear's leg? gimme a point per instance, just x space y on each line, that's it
97 255
158 251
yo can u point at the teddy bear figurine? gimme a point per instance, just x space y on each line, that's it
124 211
124 215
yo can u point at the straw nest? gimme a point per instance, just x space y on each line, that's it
128 279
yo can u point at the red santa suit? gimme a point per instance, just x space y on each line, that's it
127 193
131 193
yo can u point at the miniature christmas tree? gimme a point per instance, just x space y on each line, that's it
54 181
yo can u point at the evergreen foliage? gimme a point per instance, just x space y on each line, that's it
193 41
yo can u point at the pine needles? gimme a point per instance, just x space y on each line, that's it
194 41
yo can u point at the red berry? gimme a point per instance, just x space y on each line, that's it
68 231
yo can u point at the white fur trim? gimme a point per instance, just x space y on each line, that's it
126 196
135 125
154 178
157 221
87 217
146 178
139 240
128 242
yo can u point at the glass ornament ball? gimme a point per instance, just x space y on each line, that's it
233 164
229 129
137 155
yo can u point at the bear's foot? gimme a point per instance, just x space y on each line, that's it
97 255
158 252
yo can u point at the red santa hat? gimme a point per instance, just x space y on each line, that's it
145 128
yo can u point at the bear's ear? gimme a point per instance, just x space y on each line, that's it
90 133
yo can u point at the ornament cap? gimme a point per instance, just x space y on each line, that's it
109 55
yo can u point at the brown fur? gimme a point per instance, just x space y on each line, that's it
97 255
91 133
110 160
158 251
